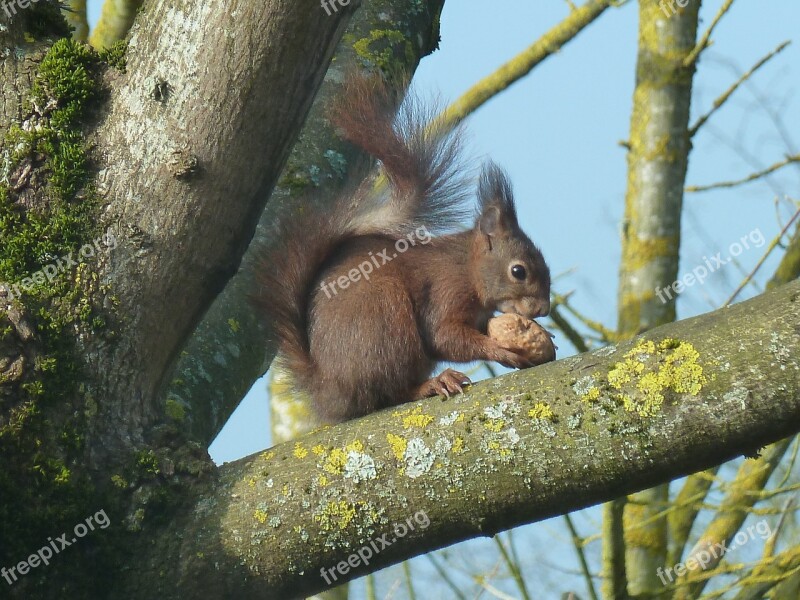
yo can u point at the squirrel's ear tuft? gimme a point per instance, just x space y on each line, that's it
496 201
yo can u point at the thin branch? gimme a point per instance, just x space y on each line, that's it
719 102
578 542
522 64
608 335
573 336
513 568
691 58
445 577
752 177
409 580
767 252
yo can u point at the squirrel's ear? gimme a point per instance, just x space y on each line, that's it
497 202
490 221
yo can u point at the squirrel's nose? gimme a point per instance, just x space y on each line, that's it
541 308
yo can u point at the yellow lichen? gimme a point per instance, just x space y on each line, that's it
397 444
300 450
458 445
417 419
592 395
251 482
541 411
260 516
675 368
322 480
336 515
355 446
268 455
494 425
319 450
335 462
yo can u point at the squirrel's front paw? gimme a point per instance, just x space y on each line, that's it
513 358
447 382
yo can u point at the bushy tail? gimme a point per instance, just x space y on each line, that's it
285 278
426 187
422 161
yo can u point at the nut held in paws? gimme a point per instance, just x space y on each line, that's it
524 336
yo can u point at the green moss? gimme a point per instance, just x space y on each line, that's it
175 410
114 55
147 464
43 409
387 49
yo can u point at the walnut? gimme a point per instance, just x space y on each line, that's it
523 336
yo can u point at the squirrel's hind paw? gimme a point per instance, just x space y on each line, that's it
447 382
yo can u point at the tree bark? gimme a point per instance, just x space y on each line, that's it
194 139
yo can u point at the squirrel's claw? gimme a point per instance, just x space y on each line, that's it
447 382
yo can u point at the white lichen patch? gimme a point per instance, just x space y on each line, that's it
606 351
545 427
359 467
512 437
442 446
501 410
738 395
586 389
448 420
779 350
500 444
418 458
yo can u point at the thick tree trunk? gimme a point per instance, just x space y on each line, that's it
195 137
175 158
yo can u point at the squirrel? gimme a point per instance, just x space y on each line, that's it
365 300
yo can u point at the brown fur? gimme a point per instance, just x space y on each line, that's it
373 343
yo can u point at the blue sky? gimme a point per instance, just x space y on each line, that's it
557 132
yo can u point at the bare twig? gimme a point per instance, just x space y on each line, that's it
691 58
729 92
578 542
752 177
767 252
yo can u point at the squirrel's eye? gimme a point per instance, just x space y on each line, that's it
518 272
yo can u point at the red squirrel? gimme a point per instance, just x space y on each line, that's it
364 300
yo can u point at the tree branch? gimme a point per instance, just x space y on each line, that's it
729 382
